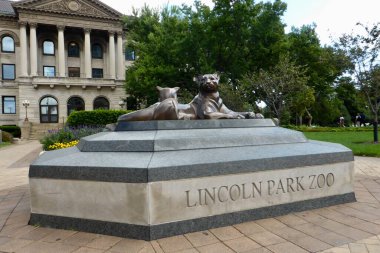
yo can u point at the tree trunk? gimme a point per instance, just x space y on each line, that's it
300 120
375 132
310 117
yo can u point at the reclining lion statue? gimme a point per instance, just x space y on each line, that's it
206 105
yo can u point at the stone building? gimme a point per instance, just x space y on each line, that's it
60 56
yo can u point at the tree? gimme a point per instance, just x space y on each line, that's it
323 66
280 87
363 50
178 43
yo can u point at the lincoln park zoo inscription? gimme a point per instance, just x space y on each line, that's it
259 189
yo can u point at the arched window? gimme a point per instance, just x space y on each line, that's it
101 103
97 51
48 47
49 110
73 50
75 104
7 44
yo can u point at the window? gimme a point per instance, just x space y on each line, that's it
7 44
130 54
101 103
75 104
9 105
74 72
73 50
97 51
97 73
8 71
49 110
49 71
48 47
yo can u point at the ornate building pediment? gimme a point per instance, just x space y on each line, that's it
89 8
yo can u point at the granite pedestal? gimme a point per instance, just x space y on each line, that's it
149 180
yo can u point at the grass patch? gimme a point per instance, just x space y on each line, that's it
4 144
361 143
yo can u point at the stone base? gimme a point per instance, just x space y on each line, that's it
175 177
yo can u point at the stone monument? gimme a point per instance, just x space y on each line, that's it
150 179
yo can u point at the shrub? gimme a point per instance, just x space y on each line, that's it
94 118
328 129
14 130
6 137
68 134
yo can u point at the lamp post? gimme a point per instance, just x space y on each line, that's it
26 103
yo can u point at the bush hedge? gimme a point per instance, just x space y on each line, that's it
14 130
6 137
328 129
94 118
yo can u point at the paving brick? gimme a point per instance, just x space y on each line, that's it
14 245
333 238
311 229
201 238
266 238
242 244
88 250
271 224
103 242
357 248
175 243
131 246
289 233
291 220
249 228
373 248
46 247
311 244
214 248
226 233
286 247
58 235
80 239
37 234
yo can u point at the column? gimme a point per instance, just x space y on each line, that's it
61 52
87 53
112 54
120 57
24 50
33 49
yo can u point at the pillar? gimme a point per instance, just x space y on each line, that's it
61 52
111 55
33 49
120 57
87 53
24 50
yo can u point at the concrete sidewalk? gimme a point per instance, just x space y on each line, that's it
348 228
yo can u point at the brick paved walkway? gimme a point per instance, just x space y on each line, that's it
348 228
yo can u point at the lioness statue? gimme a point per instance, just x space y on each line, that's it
206 105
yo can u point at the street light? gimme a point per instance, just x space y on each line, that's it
26 103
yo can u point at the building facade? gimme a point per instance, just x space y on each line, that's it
59 56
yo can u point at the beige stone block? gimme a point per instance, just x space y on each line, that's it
80 239
14 245
311 244
291 220
82 199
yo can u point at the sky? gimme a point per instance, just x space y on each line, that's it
332 17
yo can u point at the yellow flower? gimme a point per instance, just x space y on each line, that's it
60 145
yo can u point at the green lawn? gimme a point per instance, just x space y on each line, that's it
361 143
4 144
